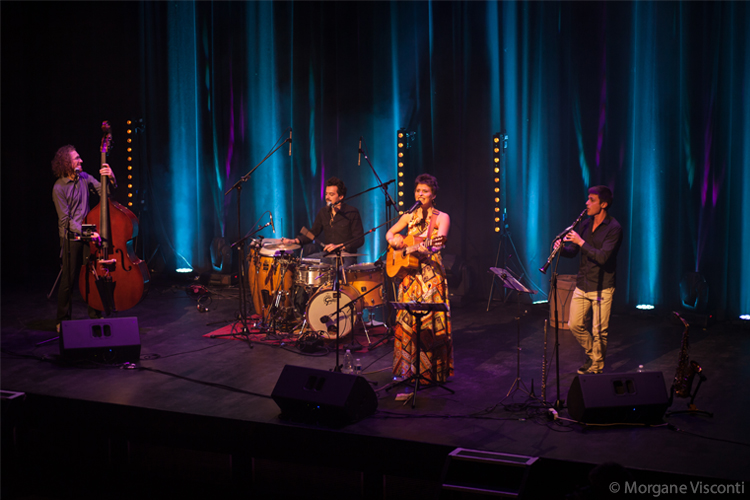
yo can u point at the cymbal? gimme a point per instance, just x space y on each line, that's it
281 246
271 241
344 254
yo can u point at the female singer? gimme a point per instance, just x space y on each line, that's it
426 283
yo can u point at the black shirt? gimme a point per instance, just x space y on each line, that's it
71 198
598 265
346 225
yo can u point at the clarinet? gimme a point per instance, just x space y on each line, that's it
560 236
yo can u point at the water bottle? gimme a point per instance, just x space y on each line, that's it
640 369
348 362
358 366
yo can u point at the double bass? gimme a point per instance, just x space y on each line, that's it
113 278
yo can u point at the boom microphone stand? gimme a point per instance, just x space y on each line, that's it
386 195
388 201
241 242
559 403
337 290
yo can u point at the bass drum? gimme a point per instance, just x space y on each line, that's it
323 304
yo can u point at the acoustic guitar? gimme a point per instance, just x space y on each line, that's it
401 262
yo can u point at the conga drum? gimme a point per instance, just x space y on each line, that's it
271 279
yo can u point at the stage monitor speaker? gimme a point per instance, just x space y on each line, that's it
618 398
319 396
105 340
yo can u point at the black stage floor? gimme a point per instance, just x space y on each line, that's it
194 414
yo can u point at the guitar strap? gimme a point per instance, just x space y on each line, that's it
432 224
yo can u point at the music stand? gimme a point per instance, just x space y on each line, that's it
418 310
513 284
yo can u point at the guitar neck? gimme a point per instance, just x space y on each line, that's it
428 242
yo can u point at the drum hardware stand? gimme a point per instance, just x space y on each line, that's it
351 303
241 242
274 308
419 310
511 283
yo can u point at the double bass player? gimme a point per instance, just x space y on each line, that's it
70 195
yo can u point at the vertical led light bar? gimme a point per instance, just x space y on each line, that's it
130 150
496 184
401 156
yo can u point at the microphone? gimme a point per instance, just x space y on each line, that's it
416 205
359 151
272 226
325 319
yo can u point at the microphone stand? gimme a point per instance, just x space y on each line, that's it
553 292
388 203
241 242
559 403
336 287
337 292
367 190
388 200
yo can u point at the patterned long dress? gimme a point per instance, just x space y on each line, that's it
427 284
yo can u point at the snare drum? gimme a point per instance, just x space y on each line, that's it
322 306
313 275
363 278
